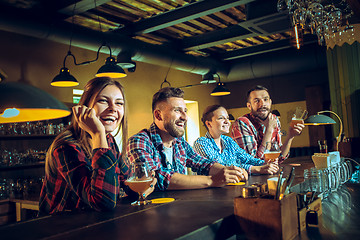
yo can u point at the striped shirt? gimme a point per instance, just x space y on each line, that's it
147 146
231 153
248 132
80 182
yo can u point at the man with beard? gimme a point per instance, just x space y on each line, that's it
253 130
168 154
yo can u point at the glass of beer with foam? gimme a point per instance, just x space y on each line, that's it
272 151
299 116
139 180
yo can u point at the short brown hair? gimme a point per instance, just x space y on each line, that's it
209 113
256 88
165 93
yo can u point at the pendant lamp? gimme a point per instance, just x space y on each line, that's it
220 90
110 69
64 78
24 103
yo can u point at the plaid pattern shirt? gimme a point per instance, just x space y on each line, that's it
248 132
147 146
81 183
231 153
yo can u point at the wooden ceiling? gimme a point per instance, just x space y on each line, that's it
219 29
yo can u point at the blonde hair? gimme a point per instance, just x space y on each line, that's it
76 135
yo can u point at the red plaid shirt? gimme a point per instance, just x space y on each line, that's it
80 182
249 132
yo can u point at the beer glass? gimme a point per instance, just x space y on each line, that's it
272 151
139 180
298 117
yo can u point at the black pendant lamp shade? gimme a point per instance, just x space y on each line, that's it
64 79
110 69
24 103
220 90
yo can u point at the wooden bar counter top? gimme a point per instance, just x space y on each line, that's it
195 214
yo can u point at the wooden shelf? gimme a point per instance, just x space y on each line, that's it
25 166
9 137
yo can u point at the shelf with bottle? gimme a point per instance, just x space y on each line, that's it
32 129
13 159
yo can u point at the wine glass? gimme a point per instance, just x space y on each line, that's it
272 151
139 180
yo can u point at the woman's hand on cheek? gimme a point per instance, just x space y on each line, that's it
87 120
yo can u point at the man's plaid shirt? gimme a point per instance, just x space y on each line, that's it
248 132
147 146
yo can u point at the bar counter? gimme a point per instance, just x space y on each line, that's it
195 214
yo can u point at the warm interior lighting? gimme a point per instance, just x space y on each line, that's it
220 90
320 119
297 41
110 69
24 103
323 18
64 79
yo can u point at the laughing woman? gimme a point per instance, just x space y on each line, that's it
223 149
84 168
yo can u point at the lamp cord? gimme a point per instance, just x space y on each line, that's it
72 26
165 80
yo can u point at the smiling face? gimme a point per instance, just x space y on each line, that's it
173 116
219 123
109 107
259 104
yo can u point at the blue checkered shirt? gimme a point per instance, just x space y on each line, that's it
231 153
147 146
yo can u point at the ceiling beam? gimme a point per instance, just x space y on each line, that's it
264 48
81 7
265 25
179 15
221 36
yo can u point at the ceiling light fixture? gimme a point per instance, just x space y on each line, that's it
297 39
109 69
322 18
220 89
64 78
24 103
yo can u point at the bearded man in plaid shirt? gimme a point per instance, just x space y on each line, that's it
169 155
253 130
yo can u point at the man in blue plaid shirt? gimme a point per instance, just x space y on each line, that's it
168 154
